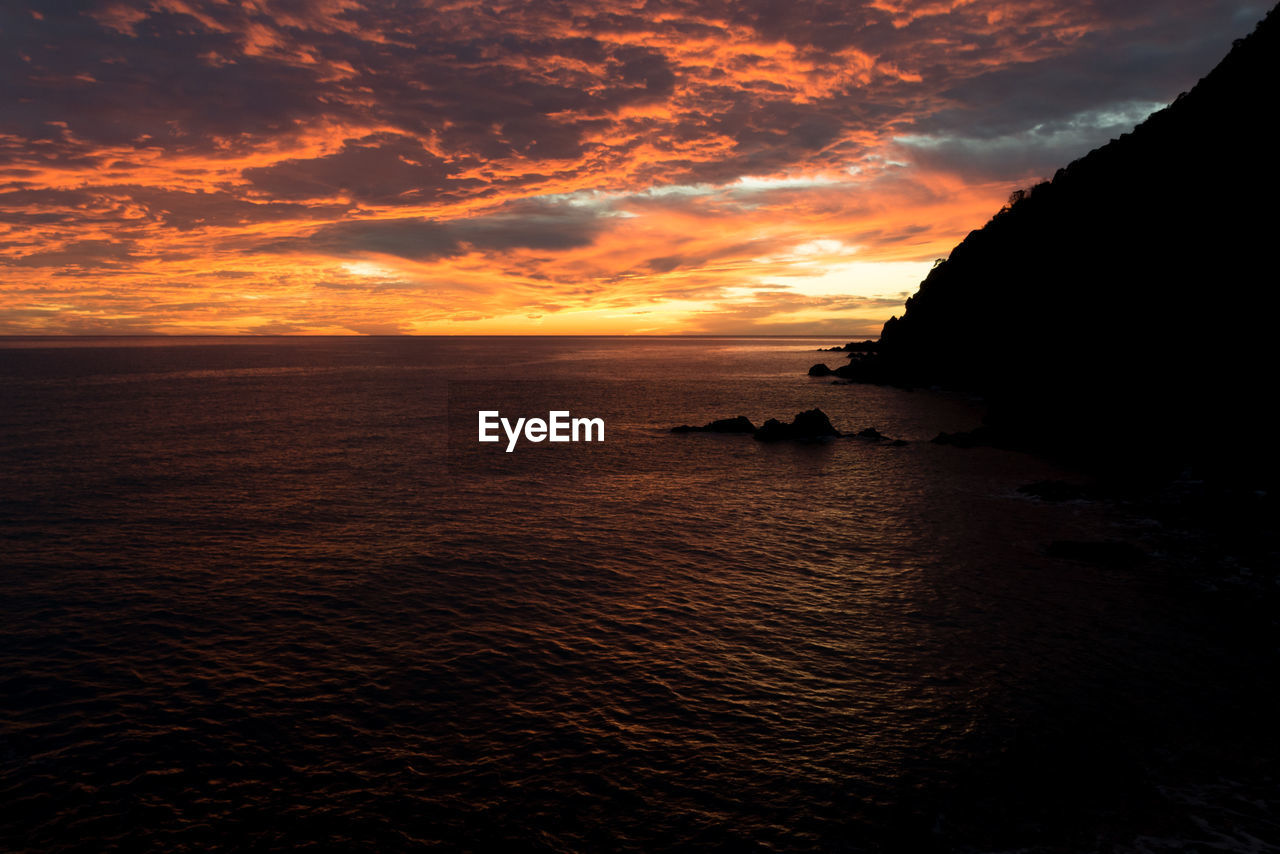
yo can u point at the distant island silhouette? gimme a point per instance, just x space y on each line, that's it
1121 314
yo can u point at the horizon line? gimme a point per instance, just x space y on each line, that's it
109 335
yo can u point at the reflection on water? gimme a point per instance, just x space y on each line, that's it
272 594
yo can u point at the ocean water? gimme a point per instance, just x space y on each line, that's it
272 594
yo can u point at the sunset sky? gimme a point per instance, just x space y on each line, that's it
648 167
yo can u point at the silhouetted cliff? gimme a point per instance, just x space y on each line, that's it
1124 310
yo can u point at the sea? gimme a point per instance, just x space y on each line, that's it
272 594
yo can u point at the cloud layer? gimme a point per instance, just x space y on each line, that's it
560 166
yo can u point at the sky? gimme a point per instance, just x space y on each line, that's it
784 167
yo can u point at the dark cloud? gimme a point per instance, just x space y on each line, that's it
646 68
520 82
526 225
74 83
665 264
377 169
1023 156
1029 118
225 77
185 210
883 237
81 255
136 205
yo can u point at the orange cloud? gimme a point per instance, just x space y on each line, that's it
351 166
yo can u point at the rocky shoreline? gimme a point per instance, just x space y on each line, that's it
812 425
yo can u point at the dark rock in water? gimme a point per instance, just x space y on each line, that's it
1098 553
898 443
812 425
864 368
772 430
820 370
977 437
809 426
741 424
1055 490
870 433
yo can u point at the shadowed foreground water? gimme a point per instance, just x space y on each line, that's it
272 595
